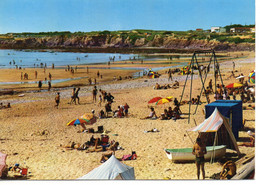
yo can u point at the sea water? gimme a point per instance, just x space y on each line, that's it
34 58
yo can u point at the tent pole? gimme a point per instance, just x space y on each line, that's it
220 73
203 85
192 66
213 153
190 137
186 81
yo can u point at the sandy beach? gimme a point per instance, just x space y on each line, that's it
33 130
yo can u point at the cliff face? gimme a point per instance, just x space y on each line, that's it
106 41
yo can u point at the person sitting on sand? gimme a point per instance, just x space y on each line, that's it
176 84
164 115
170 113
177 112
157 86
176 102
119 112
152 114
101 114
15 168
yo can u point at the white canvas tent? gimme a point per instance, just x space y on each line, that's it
111 169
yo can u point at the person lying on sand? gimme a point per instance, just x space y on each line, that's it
72 145
151 115
108 147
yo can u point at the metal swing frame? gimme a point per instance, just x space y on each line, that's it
194 61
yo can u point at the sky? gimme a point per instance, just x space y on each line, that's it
97 15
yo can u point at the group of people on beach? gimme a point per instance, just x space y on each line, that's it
166 115
2 106
98 144
175 85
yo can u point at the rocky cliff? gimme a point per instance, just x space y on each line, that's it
117 41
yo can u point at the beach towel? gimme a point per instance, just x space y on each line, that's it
132 156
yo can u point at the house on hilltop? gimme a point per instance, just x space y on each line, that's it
241 30
218 29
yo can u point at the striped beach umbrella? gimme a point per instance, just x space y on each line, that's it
163 101
77 121
155 99
234 85
251 77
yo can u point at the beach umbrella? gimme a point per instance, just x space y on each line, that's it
78 121
90 117
251 77
2 162
234 85
155 99
162 101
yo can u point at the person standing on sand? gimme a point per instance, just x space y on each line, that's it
94 93
21 75
40 84
50 76
77 95
199 150
169 75
234 65
73 99
57 100
49 85
98 74
35 73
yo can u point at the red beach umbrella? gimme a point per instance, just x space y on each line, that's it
234 85
155 99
